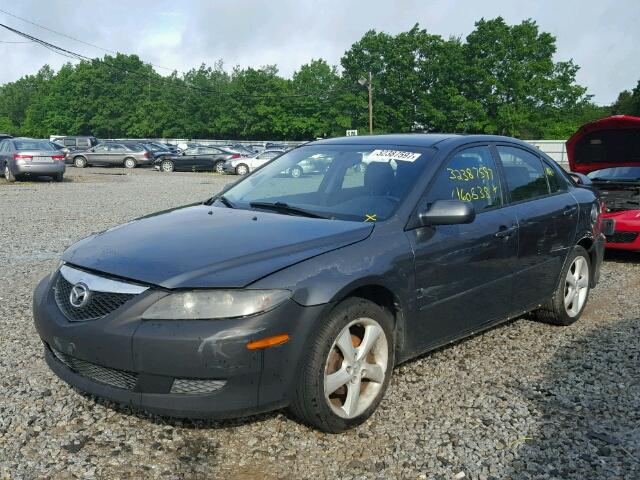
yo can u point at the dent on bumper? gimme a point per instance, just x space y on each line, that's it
159 352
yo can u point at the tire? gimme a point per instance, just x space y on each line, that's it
8 174
129 163
80 162
296 172
324 359
167 166
58 177
571 295
218 167
242 169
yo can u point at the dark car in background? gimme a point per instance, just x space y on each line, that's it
30 157
76 142
196 159
306 292
112 154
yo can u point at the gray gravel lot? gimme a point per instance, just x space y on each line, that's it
524 400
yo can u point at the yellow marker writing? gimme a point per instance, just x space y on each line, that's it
370 218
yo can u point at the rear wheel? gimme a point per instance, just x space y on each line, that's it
242 169
346 368
80 162
571 295
8 174
58 177
167 166
129 163
219 167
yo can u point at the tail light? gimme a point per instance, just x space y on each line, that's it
146 154
236 155
18 156
57 157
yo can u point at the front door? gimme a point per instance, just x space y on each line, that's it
547 215
463 272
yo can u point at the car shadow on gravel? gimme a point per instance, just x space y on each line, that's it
622 256
587 409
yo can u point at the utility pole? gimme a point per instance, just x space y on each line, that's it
370 106
368 82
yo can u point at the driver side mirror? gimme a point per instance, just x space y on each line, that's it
580 178
447 212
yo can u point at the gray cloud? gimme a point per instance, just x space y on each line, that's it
599 36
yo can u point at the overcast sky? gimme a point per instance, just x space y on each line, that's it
601 36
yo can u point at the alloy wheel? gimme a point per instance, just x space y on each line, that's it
167 166
242 170
356 367
220 167
576 286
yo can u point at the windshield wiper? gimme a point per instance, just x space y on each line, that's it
284 208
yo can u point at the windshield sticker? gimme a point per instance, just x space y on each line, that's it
388 155
370 217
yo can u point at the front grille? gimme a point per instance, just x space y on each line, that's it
194 386
98 373
100 303
622 237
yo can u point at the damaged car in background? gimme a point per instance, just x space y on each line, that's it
608 152
304 292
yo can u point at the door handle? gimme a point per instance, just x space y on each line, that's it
504 231
569 210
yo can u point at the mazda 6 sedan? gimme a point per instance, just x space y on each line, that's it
305 292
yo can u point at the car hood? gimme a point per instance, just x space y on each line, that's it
202 246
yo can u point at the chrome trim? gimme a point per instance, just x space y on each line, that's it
99 284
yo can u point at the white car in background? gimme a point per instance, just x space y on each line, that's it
245 165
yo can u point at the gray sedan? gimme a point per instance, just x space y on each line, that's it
111 153
29 157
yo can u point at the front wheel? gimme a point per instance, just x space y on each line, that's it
129 163
219 167
347 367
571 295
242 169
296 172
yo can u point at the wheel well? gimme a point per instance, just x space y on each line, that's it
587 243
129 158
379 295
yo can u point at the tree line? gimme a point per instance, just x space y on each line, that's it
500 79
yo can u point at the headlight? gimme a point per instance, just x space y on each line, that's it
210 304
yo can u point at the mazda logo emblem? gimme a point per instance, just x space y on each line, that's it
79 295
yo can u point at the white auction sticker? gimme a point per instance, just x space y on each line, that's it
388 155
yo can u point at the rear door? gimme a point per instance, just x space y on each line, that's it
99 155
547 217
116 155
464 272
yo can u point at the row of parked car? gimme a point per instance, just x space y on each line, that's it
28 157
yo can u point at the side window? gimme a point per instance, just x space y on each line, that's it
84 142
101 148
557 183
471 176
526 178
69 142
117 148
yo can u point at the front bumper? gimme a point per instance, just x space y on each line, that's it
36 169
156 355
625 234
228 168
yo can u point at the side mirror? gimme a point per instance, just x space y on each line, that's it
580 178
448 212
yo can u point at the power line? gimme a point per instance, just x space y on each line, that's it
70 37
148 77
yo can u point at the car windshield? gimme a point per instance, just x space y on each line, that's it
620 174
33 145
346 182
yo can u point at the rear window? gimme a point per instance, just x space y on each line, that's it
32 145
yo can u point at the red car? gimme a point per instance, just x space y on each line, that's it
608 152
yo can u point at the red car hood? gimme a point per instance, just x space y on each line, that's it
605 143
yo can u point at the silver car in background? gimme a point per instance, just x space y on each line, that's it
30 157
244 165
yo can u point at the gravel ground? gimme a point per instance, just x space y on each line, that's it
524 400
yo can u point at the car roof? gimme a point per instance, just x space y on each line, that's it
415 139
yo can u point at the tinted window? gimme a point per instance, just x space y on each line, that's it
631 174
526 178
32 145
471 176
69 142
84 142
556 181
